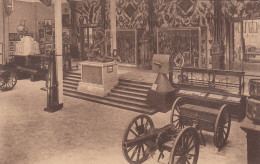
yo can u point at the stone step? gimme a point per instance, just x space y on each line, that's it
73 73
125 92
101 100
129 84
70 82
132 89
128 102
70 86
71 79
73 76
134 82
127 97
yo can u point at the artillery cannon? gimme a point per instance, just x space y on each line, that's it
141 140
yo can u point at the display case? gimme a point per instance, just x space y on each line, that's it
186 45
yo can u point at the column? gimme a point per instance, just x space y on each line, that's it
58 47
113 25
1 31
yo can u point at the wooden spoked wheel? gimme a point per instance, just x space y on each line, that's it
176 119
185 149
8 80
222 127
138 153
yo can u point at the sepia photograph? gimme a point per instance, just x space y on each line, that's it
130 82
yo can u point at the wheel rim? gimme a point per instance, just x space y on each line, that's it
222 127
139 126
176 118
186 147
7 80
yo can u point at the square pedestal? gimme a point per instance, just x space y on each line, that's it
161 100
98 78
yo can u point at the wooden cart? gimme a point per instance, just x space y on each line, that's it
203 100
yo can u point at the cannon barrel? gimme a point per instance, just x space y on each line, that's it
148 136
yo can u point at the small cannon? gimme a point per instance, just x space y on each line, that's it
141 140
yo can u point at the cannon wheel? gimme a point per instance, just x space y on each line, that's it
175 113
8 80
222 127
138 153
186 147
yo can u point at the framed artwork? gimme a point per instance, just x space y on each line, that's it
48 39
40 24
48 23
14 37
48 27
11 48
65 20
48 47
11 53
12 43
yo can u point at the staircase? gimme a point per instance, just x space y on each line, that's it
128 94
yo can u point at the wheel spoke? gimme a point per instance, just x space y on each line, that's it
190 141
175 120
187 160
143 150
138 153
190 148
131 148
133 132
132 156
136 124
193 155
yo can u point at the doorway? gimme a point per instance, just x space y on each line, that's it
245 54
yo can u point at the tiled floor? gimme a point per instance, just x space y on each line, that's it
82 132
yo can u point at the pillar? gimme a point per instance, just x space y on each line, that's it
58 47
1 32
113 25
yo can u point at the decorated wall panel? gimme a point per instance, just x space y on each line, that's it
131 13
181 13
187 46
126 46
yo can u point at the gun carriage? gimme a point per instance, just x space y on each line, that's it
141 139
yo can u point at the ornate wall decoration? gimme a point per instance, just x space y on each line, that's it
131 13
181 13
89 9
181 44
126 46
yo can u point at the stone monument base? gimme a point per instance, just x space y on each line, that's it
98 78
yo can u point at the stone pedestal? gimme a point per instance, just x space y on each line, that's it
98 78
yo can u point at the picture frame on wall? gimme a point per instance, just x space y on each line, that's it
48 23
14 37
65 20
48 47
48 39
48 27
